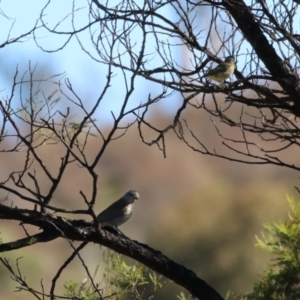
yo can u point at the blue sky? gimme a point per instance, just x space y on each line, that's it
86 76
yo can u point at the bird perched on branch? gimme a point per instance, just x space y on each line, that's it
118 212
224 70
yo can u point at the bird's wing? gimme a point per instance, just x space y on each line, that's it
119 208
113 211
216 70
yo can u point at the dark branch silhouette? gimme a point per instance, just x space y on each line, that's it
137 42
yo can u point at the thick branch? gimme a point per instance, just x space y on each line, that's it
80 230
41 237
252 31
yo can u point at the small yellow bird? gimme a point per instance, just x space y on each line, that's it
224 70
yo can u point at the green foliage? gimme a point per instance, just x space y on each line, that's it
122 278
81 291
182 296
282 279
134 280
120 281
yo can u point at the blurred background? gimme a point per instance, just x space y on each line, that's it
200 211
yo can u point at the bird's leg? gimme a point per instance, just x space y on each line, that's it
114 230
119 231
222 85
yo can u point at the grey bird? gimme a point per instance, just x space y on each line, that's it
118 212
224 70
